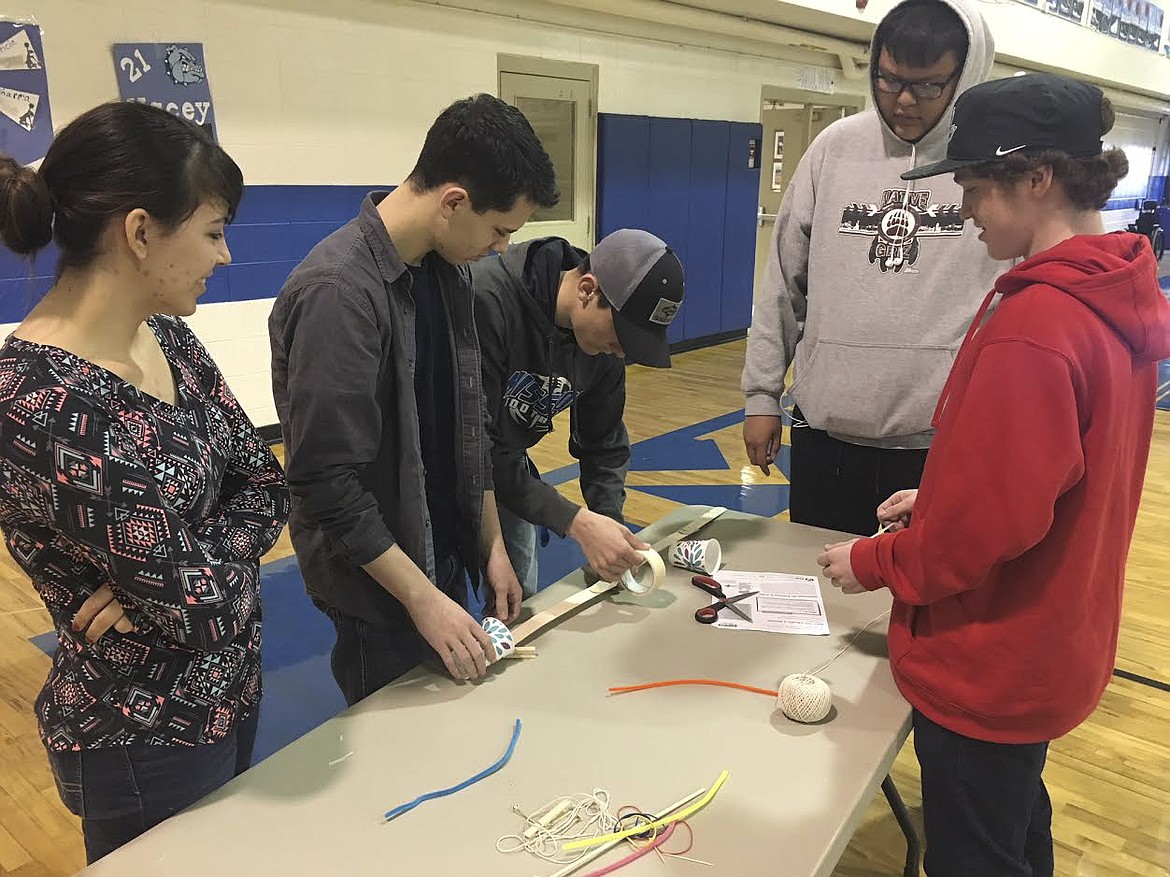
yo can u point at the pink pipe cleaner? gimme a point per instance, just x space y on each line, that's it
637 854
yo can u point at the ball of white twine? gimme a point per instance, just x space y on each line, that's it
804 698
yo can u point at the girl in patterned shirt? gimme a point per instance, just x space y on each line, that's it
134 491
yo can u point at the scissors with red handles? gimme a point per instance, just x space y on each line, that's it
710 614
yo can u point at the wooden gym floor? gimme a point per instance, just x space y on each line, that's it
1109 780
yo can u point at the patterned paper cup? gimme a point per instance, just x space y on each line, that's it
699 555
500 635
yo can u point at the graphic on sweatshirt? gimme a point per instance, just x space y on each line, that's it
527 399
898 224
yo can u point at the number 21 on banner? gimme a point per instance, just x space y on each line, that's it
136 72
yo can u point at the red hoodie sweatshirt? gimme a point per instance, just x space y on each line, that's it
1008 582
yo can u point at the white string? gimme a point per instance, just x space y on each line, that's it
848 645
588 815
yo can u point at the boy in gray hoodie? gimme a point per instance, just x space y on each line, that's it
871 282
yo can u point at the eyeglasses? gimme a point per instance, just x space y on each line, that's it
920 90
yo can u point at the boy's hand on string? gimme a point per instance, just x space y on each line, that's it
895 512
838 569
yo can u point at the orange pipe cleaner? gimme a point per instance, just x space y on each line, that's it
625 688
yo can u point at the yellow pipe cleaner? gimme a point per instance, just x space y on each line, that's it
643 829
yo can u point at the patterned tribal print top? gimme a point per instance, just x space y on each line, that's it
173 506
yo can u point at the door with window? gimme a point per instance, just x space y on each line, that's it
789 130
562 114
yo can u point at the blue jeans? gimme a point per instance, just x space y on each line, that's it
520 540
984 805
123 791
368 656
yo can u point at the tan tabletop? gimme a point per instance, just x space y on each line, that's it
793 798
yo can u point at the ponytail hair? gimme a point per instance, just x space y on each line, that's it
113 159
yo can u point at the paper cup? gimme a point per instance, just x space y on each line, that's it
500 635
699 555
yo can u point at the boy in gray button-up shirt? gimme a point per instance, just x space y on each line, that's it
354 379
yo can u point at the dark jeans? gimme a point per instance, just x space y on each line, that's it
123 791
368 656
838 486
984 804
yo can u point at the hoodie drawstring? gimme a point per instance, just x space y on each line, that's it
552 383
910 183
543 532
900 259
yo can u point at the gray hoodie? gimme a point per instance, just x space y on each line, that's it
871 282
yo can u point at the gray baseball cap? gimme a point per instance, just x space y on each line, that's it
643 280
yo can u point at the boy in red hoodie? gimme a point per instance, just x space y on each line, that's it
1007 581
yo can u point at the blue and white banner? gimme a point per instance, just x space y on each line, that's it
172 76
1138 22
1155 24
1073 10
26 125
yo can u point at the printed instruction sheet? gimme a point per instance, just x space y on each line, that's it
785 603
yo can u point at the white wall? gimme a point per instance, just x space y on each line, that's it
344 94
345 97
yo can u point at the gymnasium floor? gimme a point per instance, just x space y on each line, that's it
1109 780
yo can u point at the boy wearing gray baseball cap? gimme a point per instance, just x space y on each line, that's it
556 328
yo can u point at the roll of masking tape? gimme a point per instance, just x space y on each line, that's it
647 577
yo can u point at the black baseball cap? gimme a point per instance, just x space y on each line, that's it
1023 115
643 280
